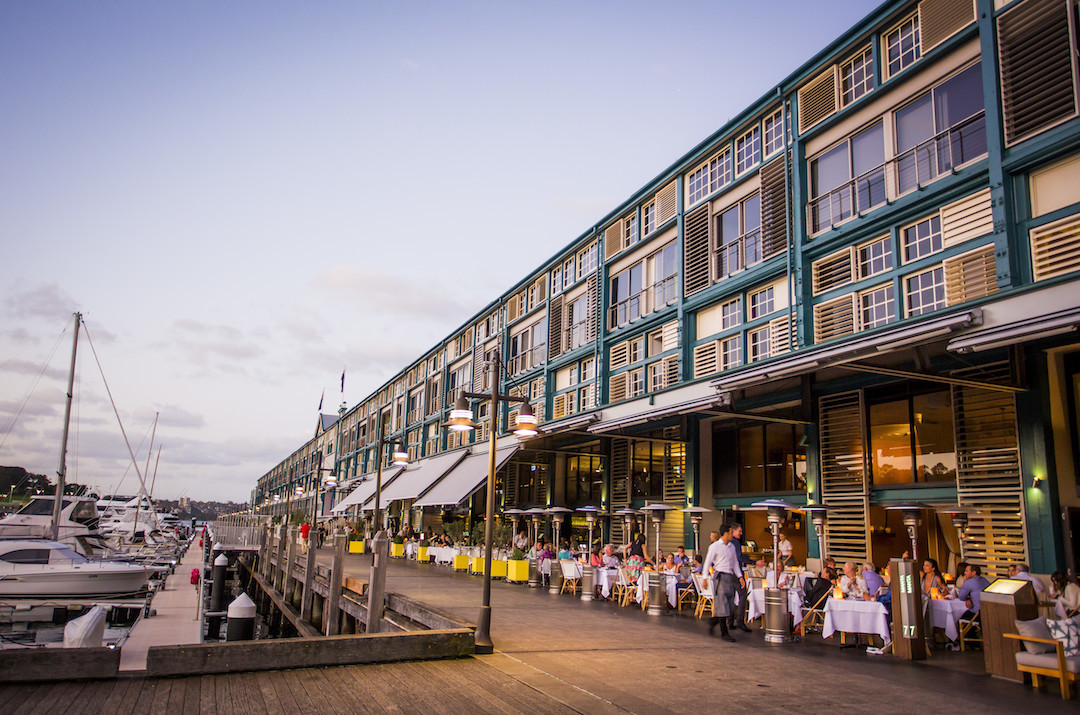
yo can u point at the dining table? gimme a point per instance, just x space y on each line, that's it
671 585
848 615
945 614
605 579
756 603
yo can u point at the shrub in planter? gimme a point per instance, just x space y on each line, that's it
517 568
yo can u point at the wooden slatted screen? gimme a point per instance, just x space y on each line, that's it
619 355
613 239
593 306
666 203
555 327
833 271
669 336
1035 52
619 496
817 99
1055 248
941 19
779 335
707 358
774 236
844 484
478 369
970 275
988 475
696 263
834 318
970 217
617 385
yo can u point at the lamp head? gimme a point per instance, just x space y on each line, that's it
461 417
526 422
401 456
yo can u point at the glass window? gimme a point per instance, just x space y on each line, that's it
647 469
731 352
731 313
902 45
770 458
578 319
857 77
748 150
648 219
759 344
774 133
626 295
875 257
925 291
848 179
584 480
922 239
912 441
761 303
878 306
739 236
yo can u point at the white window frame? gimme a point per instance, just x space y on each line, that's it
885 240
731 313
918 241
862 87
752 341
908 311
754 308
748 150
731 352
773 130
890 302
887 43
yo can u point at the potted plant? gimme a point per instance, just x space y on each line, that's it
356 542
422 553
517 568
397 547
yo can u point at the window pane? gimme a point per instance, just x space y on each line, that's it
868 149
934 443
890 443
958 98
751 451
914 123
729 225
829 170
751 213
779 456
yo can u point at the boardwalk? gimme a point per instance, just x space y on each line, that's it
559 654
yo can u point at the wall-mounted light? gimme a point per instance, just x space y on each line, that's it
1037 482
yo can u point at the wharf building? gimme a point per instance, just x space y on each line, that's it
862 290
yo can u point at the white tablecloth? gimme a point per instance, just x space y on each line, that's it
849 616
672 587
443 554
756 606
945 614
605 579
410 549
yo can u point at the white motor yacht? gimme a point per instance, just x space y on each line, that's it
78 523
49 569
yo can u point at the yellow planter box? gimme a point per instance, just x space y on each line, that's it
478 564
422 554
517 570
498 569
397 551
461 562
356 547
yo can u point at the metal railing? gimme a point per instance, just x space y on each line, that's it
747 250
650 299
239 531
911 170
527 360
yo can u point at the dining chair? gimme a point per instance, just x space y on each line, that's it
687 594
705 596
571 580
970 631
623 590
814 616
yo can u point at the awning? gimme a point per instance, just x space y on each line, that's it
658 413
568 423
807 360
365 490
1044 326
415 480
466 478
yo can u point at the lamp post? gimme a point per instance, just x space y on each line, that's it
959 517
461 420
380 545
818 513
911 511
697 513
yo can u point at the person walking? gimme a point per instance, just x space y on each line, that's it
739 619
727 575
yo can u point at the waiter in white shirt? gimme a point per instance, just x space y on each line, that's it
724 559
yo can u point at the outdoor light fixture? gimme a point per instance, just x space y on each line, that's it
959 517
400 455
526 422
299 490
697 513
818 513
461 417
911 511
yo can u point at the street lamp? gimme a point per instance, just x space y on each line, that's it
461 420
697 513
911 511
381 543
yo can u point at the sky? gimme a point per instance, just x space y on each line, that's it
244 198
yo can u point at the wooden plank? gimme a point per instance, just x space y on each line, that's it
346 686
51 699
192 694
423 696
518 697
162 695
365 678
284 695
458 691
119 694
83 697
207 694
247 696
303 697
268 695
148 693
320 683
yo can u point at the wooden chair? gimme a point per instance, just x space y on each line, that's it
970 631
571 580
687 595
1055 665
705 596
623 590
814 616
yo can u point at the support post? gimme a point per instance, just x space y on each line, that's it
332 617
309 584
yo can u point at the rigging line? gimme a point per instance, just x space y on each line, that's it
10 423
116 412
127 469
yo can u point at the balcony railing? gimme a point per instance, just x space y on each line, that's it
527 360
747 250
915 168
576 335
648 300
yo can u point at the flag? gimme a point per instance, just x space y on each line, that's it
343 381
321 399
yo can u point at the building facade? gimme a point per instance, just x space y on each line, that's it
864 290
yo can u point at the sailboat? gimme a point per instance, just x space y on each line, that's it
39 565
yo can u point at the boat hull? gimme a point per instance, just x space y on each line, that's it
92 580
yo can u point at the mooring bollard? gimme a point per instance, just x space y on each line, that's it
241 623
217 589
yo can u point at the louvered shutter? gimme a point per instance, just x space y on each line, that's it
774 237
1035 51
666 203
593 307
834 318
617 385
619 356
669 336
478 369
619 469
779 335
833 271
1055 248
613 239
706 358
941 19
696 261
970 217
988 471
844 487
817 100
555 327
560 406
670 367
970 275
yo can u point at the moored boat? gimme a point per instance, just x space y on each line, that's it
38 568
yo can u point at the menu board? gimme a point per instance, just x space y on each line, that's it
1006 585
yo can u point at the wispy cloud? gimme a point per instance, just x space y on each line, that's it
38 300
390 294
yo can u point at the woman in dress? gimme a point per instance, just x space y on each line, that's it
1064 592
637 555
932 579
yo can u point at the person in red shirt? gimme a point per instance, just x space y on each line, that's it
305 529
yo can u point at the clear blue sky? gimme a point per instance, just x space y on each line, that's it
244 197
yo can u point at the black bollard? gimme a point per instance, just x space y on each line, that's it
241 624
217 590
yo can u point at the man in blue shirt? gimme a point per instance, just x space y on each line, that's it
874 582
971 591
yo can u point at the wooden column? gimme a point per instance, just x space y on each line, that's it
308 594
332 616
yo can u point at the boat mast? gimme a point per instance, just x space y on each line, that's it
61 472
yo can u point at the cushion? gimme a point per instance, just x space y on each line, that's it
1068 632
1035 628
1046 660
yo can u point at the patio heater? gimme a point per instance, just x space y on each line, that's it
558 513
536 514
697 513
515 517
628 516
656 512
959 516
534 563
911 511
776 598
818 513
590 513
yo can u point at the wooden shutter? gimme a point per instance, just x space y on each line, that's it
555 327
619 356
670 368
1037 67
941 19
970 217
707 358
619 469
669 336
817 99
833 271
562 405
774 236
666 203
613 239
478 369
779 335
617 385
988 471
844 487
1055 248
696 259
970 275
592 306
834 318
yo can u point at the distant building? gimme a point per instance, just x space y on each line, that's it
863 290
